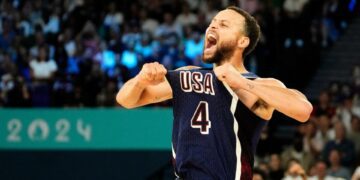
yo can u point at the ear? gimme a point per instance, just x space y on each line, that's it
243 42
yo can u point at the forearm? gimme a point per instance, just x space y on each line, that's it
130 93
282 99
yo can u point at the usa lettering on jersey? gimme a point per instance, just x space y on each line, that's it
197 82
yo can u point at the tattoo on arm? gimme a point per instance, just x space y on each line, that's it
250 86
157 98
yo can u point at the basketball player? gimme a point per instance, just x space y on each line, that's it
219 112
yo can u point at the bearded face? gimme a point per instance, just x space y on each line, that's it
225 37
215 53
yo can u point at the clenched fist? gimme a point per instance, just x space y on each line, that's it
228 74
151 74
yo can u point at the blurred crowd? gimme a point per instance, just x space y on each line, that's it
77 53
327 146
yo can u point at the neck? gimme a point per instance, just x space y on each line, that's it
335 167
236 61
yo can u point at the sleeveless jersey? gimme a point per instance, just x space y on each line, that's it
214 133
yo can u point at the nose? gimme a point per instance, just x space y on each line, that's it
213 25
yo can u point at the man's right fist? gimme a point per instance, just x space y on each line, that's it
151 74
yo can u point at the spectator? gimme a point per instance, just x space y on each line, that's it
264 167
276 171
324 131
53 25
42 73
334 92
7 34
345 112
88 41
310 144
148 24
39 42
113 18
341 143
186 17
24 26
336 169
320 169
67 38
294 171
356 175
323 106
169 32
7 66
259 175
14 92
356 85
354 135
296 151
131 35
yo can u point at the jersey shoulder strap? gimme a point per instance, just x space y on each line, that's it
250 75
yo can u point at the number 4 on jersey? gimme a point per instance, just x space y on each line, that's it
200 118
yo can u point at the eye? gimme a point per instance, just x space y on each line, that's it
223 25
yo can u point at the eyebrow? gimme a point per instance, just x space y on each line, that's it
221 20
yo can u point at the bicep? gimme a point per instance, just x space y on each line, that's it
277 83
259 106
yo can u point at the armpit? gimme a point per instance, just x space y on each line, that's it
259 104
262 109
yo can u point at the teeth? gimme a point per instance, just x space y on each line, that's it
211 37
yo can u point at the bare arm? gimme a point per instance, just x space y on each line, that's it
269 94
149 86
274 94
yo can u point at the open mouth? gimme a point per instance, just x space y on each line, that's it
211 41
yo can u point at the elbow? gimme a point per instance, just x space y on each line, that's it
120 100
305 113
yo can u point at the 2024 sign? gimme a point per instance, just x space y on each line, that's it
39 130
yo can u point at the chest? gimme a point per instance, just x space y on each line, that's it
197 82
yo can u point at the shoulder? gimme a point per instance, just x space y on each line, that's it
51 61
187 68
271 81
33 62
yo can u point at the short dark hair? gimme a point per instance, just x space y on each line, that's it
252 29
260 172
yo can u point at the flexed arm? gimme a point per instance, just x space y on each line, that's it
149 86
270 93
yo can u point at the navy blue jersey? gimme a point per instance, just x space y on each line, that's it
214 133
